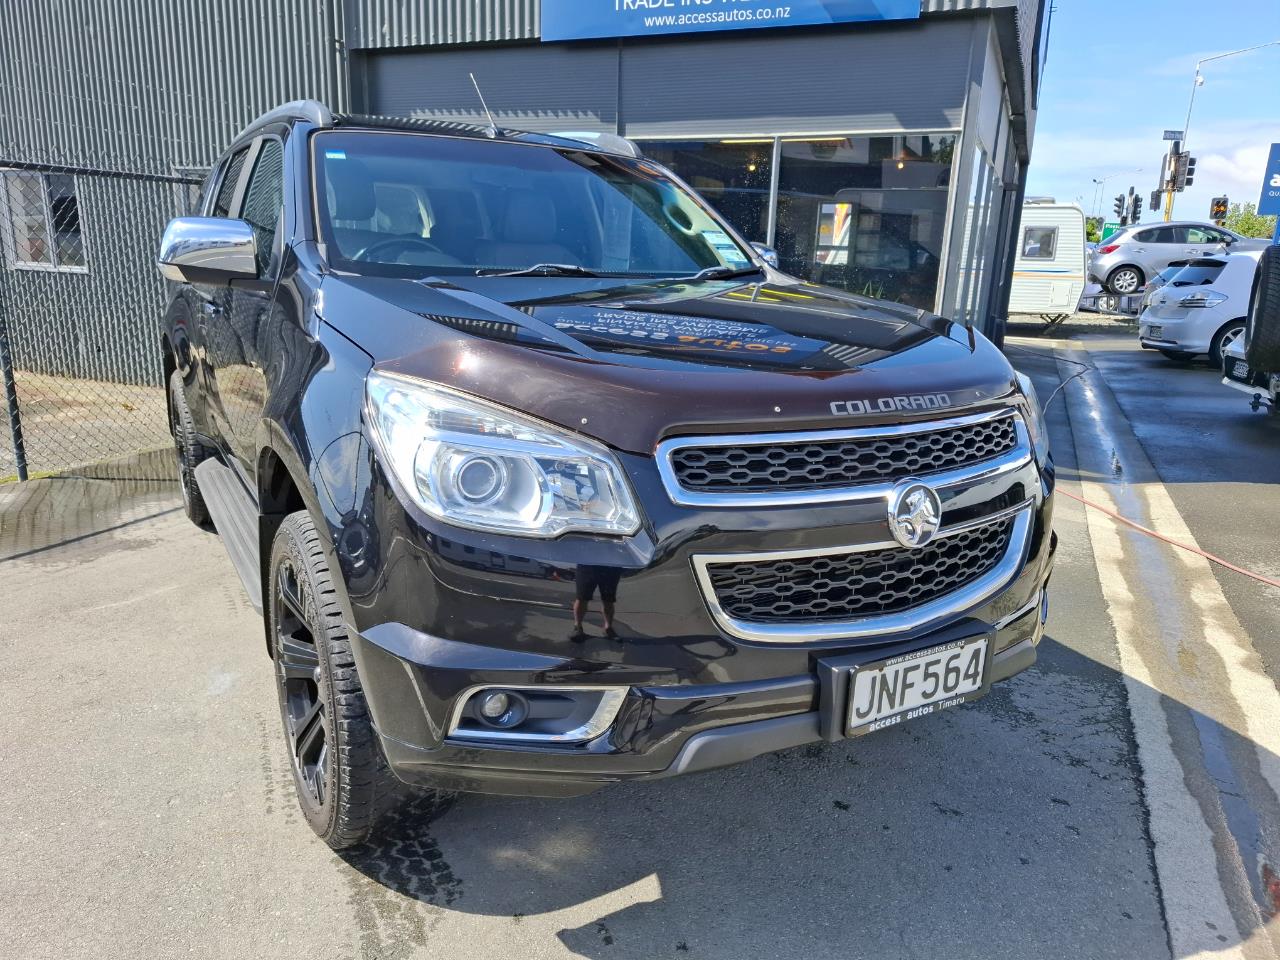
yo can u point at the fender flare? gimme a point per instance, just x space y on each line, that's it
274 440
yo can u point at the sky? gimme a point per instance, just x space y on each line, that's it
1119 73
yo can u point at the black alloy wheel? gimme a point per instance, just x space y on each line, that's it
343 783
298 671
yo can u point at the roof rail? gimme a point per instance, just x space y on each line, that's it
312 111
609 142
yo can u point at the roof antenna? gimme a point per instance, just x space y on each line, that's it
493 127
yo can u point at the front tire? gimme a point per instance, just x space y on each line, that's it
1124 280
343 783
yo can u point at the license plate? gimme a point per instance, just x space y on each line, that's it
915 684
1155 333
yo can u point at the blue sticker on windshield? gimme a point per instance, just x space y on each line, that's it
335 154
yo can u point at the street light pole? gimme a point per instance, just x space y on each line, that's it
1099 184
1196 83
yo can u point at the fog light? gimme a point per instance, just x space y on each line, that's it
502 709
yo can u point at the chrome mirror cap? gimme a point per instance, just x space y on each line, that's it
207 250
767 253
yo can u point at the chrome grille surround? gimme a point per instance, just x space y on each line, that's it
912 617
896 439
843 586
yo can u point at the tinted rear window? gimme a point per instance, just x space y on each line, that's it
1198 274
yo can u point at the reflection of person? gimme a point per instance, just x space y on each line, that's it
589 577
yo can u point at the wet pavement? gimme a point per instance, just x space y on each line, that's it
1118 800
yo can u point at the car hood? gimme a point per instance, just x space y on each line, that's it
631 363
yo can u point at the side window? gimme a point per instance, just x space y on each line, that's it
40 221
1039 243
1201 235
230 178
263 198
1146 236
1174 235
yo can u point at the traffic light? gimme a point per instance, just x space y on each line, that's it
1155 200
1119 207
1218 208
1135 208
1184 171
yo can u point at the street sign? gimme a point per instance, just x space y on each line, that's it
1110 227
1269 203
1174 135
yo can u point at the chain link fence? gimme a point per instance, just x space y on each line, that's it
81 305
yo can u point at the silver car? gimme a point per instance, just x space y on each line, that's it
1125 261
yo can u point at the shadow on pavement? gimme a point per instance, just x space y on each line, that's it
39 515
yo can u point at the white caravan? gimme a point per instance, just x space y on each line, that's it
1049 271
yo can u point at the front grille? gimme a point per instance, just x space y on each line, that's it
846 586
846 462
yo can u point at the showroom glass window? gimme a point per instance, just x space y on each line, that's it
40 214
734 176
865 213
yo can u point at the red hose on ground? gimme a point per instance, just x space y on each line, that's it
1173 543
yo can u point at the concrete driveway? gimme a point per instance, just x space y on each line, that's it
1072 813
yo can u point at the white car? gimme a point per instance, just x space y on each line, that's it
1202 309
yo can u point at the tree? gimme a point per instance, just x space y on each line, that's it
1246 221
1093 229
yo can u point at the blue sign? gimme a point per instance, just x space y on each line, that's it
585 19
1270 201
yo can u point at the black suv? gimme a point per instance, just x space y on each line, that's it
544 479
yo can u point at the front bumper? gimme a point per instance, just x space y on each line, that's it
436 616
661 731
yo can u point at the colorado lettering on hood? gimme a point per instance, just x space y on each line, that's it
911 401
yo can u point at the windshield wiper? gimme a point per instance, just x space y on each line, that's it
721 273
542 270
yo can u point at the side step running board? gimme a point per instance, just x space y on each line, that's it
236 518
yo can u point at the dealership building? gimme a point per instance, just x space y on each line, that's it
879 146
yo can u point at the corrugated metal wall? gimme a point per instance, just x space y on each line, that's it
531 87
376 24
140 89
912 77
165 83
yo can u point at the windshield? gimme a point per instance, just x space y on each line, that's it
412 205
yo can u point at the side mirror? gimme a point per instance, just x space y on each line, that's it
767 253
208 250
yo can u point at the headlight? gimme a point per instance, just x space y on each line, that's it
1034 417
475 464
1203 298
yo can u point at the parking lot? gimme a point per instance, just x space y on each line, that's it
1118 800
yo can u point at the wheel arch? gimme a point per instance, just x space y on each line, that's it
283 488
168 366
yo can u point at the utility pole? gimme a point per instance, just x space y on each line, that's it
1196 83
